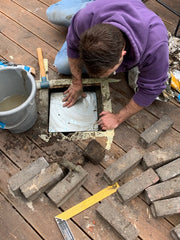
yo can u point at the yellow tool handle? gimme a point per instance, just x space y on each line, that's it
41 64
71 212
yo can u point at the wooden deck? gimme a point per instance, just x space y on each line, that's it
24 27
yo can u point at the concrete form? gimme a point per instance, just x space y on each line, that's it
165 207
169 170
163 190
122 166
117 221
40 183
27 173
160 157
152 134
64 189
137 185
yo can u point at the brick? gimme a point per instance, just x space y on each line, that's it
160 157
175 232
122 166
169 170
40 183
64 189
27 173
165 207
152 134
117 221
163 190
94 152
137 185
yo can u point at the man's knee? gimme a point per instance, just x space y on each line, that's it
57 15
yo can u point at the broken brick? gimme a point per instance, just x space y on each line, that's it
94 152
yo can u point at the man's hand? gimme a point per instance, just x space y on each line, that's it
108 120
72 94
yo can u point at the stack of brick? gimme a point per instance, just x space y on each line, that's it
160 182
35 179
40 177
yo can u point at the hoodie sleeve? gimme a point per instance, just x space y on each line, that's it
153 75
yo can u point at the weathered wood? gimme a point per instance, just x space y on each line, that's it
13 226
18 15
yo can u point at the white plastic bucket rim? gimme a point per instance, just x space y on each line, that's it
26 102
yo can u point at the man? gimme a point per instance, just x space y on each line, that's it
106 36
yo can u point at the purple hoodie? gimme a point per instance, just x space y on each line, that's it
147 44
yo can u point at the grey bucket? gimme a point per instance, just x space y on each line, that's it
16 81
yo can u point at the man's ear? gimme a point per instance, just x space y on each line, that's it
123 53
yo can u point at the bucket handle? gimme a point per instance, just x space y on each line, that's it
3 125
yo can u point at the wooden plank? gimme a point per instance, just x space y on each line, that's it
12 52
169 18
33 24
38 8
13 226
25 38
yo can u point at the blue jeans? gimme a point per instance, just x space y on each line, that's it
61 14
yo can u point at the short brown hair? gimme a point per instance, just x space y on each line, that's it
100 48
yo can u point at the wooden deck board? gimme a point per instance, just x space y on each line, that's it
24 27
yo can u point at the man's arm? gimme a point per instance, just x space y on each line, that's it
110 120
75 89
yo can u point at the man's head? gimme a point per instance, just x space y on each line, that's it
102 49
